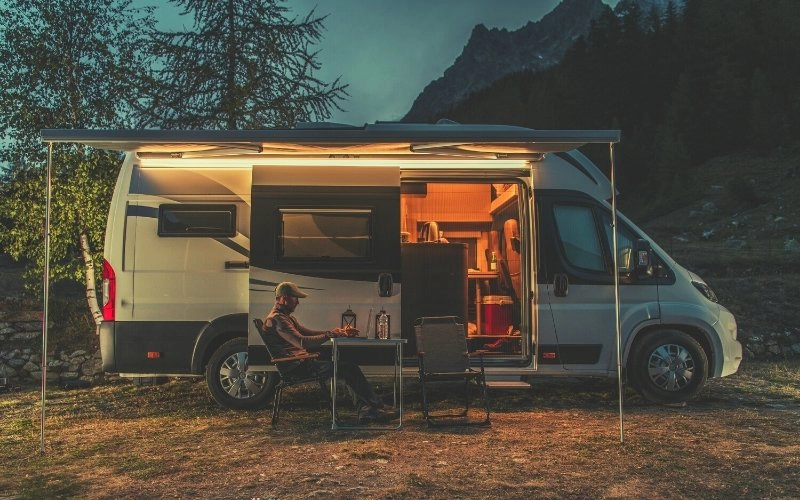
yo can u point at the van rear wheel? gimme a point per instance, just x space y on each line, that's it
668 366
231 384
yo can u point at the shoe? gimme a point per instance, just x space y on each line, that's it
386 414
368 414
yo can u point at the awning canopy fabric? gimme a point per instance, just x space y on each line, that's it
375 139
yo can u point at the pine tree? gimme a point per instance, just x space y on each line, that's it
245 64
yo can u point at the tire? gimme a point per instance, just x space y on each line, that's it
668 366
232 388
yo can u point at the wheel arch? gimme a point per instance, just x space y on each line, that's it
213 335
697 333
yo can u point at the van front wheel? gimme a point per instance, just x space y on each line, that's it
231 384
668 366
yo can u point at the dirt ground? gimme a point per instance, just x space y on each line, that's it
558 440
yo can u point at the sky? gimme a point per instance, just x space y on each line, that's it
387 51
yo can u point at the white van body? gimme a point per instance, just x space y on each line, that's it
204 225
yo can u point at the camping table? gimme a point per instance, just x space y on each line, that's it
341 343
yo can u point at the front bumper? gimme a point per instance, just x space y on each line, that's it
731 348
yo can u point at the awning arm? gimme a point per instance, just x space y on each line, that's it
46 290
618 329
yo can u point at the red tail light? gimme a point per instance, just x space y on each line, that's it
109 291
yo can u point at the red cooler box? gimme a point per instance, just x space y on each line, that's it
495 314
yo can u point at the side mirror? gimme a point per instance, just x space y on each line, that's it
644 259
385 285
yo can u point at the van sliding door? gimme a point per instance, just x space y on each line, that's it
334 231
486 282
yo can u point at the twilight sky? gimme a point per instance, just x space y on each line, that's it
389 50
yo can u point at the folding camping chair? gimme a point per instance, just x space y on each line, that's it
288 379
444 357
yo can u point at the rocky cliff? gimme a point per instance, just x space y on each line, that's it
491 54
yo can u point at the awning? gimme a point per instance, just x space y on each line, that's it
500 141
374 139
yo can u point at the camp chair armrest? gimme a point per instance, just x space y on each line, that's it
301 357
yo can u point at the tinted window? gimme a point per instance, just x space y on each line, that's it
197 220
322 234
578 235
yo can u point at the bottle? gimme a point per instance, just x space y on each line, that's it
493 262
383 325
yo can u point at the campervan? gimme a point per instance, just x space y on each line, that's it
511 229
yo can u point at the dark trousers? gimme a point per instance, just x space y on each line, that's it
351 373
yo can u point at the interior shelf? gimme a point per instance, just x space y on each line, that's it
504 336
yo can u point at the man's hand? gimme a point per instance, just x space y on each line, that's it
344 332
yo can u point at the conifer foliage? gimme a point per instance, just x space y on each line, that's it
711 78
245 64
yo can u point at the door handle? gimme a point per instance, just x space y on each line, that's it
237 264
561 285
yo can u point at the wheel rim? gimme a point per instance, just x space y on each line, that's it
236 381
670 367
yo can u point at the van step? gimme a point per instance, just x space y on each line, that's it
507 384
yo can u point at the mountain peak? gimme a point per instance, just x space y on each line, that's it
493 53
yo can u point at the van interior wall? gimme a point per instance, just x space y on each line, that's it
484 217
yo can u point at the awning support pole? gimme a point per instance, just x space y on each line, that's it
618 334
46 291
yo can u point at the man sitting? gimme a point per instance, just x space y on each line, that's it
286 337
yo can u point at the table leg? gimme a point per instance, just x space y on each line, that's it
399 377
478 299
335 360
397 390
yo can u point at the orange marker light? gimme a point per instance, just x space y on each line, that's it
153 354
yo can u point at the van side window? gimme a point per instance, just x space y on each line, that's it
197 220
578 235
323 234
624 244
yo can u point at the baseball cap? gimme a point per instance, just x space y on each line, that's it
289 289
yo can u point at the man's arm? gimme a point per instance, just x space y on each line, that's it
308 332
298 335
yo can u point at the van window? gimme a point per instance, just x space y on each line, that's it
579 239
323 234
197 220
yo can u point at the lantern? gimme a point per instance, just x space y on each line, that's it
348 318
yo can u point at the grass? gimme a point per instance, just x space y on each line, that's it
44 485
559 439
